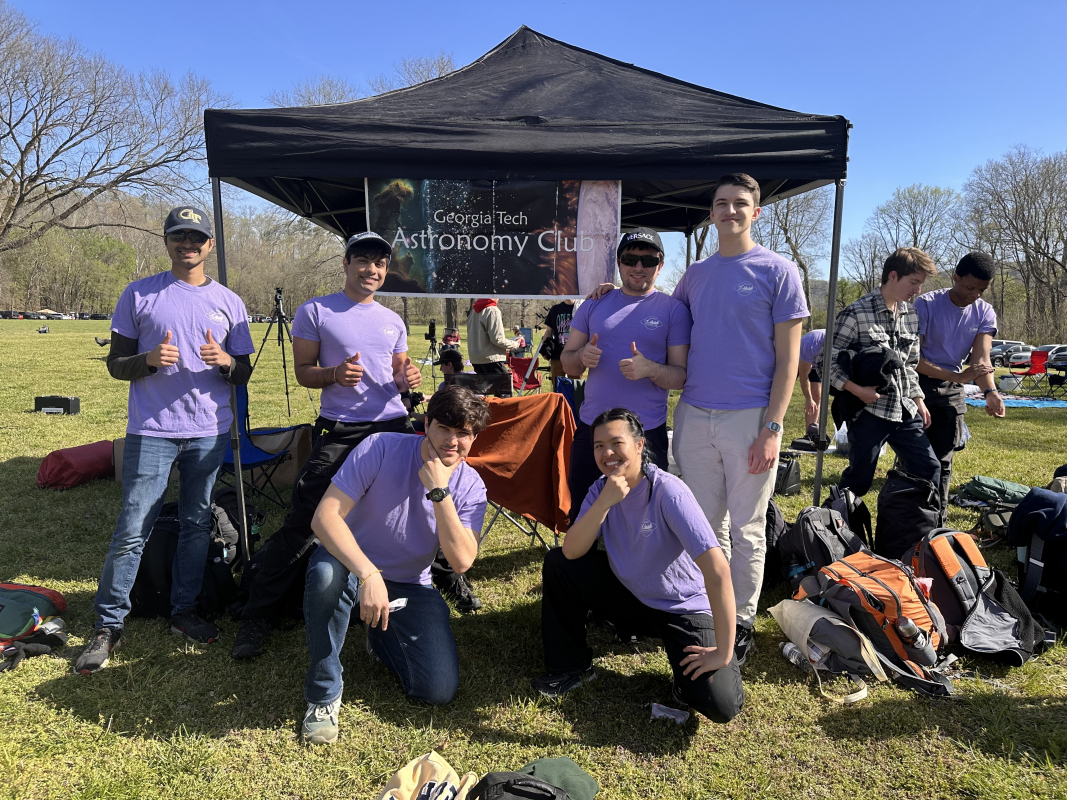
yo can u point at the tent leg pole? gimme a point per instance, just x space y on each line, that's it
828 344
688 248
235 436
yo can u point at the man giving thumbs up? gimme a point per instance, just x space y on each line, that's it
634 341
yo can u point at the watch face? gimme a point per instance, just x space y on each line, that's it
774 426
437 495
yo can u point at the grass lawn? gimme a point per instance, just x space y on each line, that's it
174 721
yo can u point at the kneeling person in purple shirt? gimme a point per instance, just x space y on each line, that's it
662 573
395 500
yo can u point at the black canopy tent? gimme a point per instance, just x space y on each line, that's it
539 109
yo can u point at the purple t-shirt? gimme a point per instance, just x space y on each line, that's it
736 302
392 521
343 328
811 346
948 331
653 543
189 399
654 322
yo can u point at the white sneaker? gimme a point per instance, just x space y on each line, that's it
320 723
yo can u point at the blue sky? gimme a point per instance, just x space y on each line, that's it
932 88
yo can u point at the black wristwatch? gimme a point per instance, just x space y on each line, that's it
437 495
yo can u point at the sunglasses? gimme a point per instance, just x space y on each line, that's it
193 236
648 262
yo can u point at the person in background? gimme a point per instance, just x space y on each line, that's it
661 573
451 363
809 377
181 339
558 321
451 338
487 346
748 306
953 323
391 506
897 413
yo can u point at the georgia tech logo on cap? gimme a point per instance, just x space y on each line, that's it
188 213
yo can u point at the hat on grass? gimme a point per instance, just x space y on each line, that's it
450 357
640 237
188 218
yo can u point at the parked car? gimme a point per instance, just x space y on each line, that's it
1005 342
999 355
1022 359
99 316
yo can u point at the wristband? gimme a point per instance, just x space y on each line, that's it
987 391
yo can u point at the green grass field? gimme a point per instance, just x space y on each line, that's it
169 720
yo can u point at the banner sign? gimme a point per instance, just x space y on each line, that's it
499 238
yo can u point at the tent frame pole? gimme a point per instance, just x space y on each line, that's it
235 435
828 344
688 247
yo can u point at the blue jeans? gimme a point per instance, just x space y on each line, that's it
418 645
866 435
146 465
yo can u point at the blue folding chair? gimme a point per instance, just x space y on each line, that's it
252 458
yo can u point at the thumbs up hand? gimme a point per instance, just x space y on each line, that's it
163 354
349 372
590 353
407 376
211 352
637 367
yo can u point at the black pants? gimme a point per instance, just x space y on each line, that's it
946 402
492 368
866 435
584 471
272 570
571 588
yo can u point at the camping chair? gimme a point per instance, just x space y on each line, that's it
524 375
1057 383
1033 377
253 458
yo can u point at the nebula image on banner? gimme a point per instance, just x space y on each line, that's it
514 238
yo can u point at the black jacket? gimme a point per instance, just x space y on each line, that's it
869 366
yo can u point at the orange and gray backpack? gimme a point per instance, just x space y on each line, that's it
983 611
882 600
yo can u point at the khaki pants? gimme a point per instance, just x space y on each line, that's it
711 448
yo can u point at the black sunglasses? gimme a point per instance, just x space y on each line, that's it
193 236
648 262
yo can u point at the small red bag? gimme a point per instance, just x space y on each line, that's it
73 466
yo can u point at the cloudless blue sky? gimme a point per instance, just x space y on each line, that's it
932 88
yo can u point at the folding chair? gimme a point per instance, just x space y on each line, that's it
524 375
1033 376
1057 383
253 458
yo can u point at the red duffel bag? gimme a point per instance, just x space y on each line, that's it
73 466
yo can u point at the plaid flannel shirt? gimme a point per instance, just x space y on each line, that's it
869 322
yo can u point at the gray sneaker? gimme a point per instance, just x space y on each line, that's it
94 657
320 723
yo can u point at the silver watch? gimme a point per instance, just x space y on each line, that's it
773 426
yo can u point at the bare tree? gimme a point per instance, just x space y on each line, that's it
863 259
75 127
417 69
919 216
320 91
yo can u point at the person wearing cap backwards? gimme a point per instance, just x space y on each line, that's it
355 350
635 342
181 339
953 323
451 363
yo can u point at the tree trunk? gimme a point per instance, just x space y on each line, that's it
407 327
451 312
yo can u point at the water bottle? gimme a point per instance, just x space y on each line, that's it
54 625
792 652
910 633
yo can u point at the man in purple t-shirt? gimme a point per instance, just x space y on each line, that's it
634 341
394 502
747 304
181 340
355 350
955 323
810 379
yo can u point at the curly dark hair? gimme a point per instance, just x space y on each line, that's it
458 407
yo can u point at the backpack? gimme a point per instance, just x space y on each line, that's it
25 608
993 491
819 537
909 507
992 526
983 612
775 528
879 596
853 511
514 786
787 481
1038 530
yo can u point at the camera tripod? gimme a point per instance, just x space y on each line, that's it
284 332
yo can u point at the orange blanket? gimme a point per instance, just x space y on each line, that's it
524 456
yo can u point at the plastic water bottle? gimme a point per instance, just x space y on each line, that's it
792 652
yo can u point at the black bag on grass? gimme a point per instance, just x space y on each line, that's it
818 538
776 527
909 507
514 786
787 481
1038 531
853 511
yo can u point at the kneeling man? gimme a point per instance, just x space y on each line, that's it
396 499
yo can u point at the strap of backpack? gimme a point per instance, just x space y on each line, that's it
1033 569
950 563
848 699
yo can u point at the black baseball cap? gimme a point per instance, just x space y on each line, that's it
450 357
188 218
640 236
368 237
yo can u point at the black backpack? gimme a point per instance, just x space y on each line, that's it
1038 531
853 511
514 786
817 539
775 529
909 507
787 481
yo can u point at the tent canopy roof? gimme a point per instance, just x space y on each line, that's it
531 108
